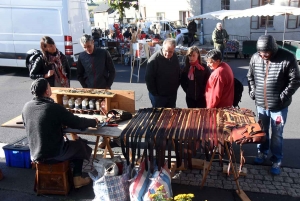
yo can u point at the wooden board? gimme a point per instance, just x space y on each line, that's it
243 173
62 91
125 100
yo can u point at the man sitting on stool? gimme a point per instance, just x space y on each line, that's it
43 120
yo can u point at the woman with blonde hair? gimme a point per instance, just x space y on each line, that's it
52 65
193 78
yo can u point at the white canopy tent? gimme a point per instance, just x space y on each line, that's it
266 10
216 15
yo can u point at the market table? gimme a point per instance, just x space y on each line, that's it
105 132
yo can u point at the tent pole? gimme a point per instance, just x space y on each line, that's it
284 24
266 24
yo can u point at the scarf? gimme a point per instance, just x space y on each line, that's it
59 72
191 73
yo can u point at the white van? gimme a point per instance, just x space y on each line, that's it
24 22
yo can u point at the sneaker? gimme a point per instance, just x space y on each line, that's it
260 158
275 169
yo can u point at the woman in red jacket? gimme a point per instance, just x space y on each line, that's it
219 90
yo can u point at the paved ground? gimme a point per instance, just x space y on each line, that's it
258 184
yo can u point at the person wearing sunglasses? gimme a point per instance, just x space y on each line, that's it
273 78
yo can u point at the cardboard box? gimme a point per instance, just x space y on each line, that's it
18 154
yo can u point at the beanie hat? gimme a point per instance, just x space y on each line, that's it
266 43
39 87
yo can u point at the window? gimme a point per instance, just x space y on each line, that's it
293 20
225 4
266 19
257 22
160 16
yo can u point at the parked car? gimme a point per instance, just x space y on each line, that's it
171 27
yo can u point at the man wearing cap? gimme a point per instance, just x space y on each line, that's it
43 120
273 78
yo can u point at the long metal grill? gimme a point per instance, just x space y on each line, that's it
181 130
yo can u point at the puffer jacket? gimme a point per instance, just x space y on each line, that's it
40 68
273 86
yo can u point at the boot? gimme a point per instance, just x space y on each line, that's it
80 181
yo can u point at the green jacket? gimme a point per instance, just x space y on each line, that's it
218 37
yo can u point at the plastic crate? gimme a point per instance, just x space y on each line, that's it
18 154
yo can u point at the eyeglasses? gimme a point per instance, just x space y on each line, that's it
264 54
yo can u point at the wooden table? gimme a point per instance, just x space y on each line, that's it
106 132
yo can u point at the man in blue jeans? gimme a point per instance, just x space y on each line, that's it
273 78
162 76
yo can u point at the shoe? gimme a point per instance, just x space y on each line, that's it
80 181
275 169
260 158
117 141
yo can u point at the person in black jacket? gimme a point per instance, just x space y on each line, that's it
163 76
52 65
273 78
95 68
194 78
43 120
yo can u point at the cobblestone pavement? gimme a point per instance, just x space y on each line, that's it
258 179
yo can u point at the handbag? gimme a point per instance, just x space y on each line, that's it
144 184
118 115
251 133
106 184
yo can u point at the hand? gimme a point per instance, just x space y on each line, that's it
49 74
252 95
97 121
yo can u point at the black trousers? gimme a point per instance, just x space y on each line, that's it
75 151
192 103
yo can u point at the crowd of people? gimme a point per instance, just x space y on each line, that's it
273 78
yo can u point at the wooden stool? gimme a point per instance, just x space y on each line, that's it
53 178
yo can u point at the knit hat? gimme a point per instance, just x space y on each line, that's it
266 43
39 87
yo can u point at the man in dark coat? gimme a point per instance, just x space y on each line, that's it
95 68
43 120
162 76
273 78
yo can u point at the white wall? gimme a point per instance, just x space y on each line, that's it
171 8
241 26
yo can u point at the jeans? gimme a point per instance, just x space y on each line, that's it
163 101
277 120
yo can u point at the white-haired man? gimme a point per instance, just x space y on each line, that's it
163 75
95 68
220 38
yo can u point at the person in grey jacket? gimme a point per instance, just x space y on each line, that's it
163 75
43 121
273 78
95 68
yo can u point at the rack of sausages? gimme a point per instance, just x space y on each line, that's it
184 131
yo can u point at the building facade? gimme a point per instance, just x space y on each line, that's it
251 27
